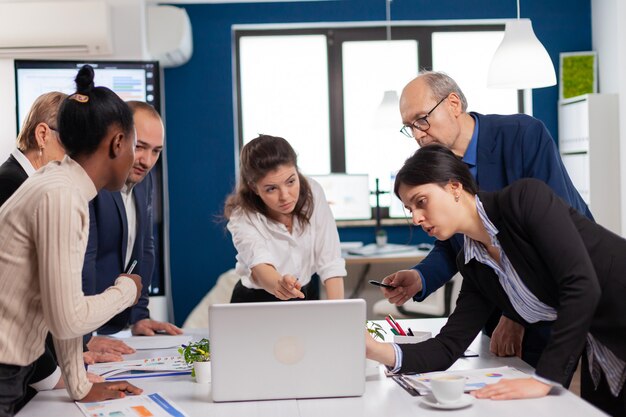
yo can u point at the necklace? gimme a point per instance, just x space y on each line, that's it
288 223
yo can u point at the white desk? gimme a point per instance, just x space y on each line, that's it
413 256
383 397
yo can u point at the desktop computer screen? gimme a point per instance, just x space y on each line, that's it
131 80
348 195
396 208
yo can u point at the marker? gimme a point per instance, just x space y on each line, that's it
402 332
394 329
202 352
390 323
131 267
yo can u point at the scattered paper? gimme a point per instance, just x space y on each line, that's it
159 341
165 365
153 405
474 378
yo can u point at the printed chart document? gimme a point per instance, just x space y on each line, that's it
146 405
474 378
141 368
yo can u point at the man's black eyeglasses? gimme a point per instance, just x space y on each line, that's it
421 123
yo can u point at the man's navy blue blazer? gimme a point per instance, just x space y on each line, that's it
106 249
509 147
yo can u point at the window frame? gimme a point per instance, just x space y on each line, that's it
335 37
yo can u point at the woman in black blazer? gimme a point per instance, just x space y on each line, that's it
535 258
37 144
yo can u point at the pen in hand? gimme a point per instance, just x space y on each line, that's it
131 267
136 279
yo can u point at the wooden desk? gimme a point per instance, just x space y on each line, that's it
383 396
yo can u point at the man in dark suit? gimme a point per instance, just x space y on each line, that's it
498 150
121 233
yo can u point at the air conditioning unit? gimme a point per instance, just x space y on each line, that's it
169 37
52 29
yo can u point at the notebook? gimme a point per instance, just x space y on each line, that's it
287 350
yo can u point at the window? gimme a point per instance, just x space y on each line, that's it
284 92
371 68
465 56
321 89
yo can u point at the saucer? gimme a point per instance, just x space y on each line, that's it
464 401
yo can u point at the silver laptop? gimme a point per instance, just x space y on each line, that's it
286 350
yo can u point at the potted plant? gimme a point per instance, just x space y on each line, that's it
376 331
198 354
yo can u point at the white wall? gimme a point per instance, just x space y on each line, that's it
609 40
7 108
129 43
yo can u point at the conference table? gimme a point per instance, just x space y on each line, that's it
383 396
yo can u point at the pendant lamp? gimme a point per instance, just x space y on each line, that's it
387 111
520 61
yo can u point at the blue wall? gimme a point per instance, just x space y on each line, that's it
199 108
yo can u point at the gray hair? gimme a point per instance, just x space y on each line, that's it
442 85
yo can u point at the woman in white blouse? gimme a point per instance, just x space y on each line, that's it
282 228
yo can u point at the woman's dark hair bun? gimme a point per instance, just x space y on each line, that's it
84 79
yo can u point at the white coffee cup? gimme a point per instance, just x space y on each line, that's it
447 388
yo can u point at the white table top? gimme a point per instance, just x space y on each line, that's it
414 256
383 396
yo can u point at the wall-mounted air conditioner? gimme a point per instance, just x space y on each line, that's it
170 40
55 29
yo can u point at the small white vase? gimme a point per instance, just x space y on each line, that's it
203 372
381 238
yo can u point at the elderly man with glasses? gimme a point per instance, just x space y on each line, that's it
498 149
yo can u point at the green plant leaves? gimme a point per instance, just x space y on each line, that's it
196 351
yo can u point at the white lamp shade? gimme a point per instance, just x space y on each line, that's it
387 115
521 61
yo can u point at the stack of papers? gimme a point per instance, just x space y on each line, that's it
154 405
141 368
474 378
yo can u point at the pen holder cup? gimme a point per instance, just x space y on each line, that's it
416 338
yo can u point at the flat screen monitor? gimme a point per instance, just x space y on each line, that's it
348 195
396 208
131 80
